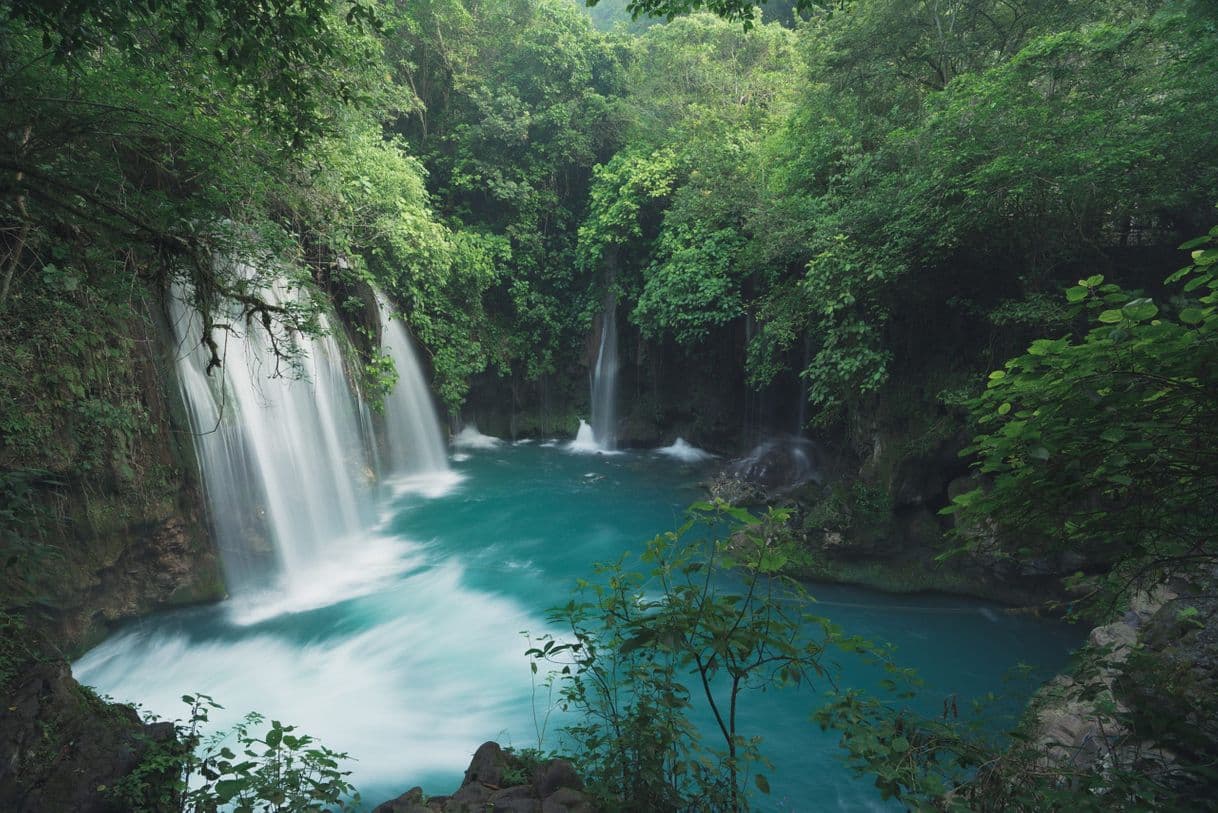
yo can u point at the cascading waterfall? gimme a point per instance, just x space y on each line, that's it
412 429
604 380
282 451
288 461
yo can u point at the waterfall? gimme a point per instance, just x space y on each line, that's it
288 461
604 380
802 417
284 459
412 430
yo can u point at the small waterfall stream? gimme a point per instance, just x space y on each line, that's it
604 380
413 435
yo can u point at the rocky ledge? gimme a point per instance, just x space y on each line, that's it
499 780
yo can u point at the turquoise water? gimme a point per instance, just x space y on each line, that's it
405 647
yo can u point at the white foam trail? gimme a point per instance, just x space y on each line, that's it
351 569
471 438
460 457
431 485
686 453
439 669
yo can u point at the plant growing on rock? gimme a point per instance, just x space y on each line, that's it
245 769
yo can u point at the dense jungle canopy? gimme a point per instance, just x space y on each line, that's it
919 222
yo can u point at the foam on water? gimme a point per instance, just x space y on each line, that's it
432 485
685 452
377 685
351 569
470 438
585 442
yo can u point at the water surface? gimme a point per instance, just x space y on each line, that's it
405 648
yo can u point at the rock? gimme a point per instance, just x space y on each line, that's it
412 801
556 774
486 766
781 464
516 799
62 749
567 800
554 787
473 796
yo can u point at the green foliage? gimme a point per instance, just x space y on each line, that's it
518 105
708 621
1104 444
246 769
858 508
27 557
283 52
915 205
1150 746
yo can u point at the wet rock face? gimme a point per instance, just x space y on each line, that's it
780 464
61 748
498 780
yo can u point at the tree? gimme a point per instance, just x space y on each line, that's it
1106 445
710 621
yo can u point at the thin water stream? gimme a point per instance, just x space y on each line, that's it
405 650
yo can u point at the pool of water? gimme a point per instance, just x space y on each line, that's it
405 647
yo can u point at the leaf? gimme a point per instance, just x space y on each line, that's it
1178 275
1208 256
1110 317
1076 294
1192 316
1139 310
762 783
1004 408
226 789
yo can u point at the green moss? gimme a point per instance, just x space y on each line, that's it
897 577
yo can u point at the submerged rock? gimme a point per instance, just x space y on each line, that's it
499 780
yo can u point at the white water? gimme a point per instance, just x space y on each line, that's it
604 381
685 452
470 438
399 692
287 457
284 458
586 443
411 426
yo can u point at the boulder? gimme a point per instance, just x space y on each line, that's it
412 801
64 749
553 787
556 774
567 800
